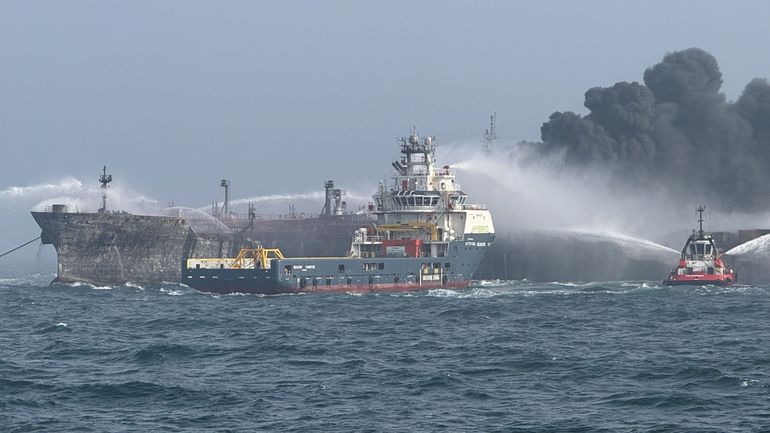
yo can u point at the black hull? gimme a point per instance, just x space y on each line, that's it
722 283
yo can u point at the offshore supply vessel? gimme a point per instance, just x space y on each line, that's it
701 261
426 235
110 247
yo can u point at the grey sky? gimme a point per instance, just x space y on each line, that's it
280 96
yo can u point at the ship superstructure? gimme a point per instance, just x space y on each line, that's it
426 235
424 213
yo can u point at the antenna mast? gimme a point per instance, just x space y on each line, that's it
700 219
490 134
104 179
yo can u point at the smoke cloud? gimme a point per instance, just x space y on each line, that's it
675 132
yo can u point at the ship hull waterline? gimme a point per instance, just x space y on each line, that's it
338 289
699 282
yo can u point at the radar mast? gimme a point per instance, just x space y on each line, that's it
104 179
700 220
490 134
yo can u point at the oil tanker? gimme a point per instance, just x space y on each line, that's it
113 247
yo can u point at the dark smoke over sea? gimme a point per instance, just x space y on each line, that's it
675 132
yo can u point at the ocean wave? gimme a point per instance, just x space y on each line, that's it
527 288
131 390
16 386
157 353
81 284
35 280
45 328
722 290
609 356
172 292
661 400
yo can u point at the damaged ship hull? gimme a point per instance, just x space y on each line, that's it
109 248
113 248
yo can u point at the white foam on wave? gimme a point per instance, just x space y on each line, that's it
133 285
719 290
88 285
748 382
442 293
492 284
555 288
471 293
171 292
61 324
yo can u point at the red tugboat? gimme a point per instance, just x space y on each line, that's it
700 262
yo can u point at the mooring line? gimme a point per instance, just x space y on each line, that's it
19 247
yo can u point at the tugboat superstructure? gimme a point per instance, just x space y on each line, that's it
701 261
426 235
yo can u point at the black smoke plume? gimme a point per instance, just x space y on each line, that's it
677 131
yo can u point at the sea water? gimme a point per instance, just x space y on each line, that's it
503 356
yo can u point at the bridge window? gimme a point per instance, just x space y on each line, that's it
341 269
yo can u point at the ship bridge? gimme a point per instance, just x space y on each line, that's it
700 248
